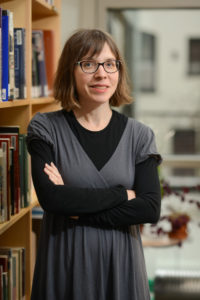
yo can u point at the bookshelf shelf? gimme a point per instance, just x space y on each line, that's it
6 225
41 101
28 14
41 9
4 1
14 103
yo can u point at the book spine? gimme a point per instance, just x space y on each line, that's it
1 184
39 48
19 55
12 181
21 167
5 61
49 50
4 204
11 59
0 53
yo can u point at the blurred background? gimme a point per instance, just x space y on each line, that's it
160 41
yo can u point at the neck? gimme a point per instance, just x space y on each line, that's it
94 119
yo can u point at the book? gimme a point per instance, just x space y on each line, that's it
38 48
6 253
50 63
1 183
5 204
5 285
12 132
0 51
11 85
20 252
12 180
12 260
5 55
36 88
23 158
1 282
20 62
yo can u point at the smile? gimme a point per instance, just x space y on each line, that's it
100 87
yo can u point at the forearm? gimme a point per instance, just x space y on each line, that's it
145 208
61 199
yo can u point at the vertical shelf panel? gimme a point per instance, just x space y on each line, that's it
17 231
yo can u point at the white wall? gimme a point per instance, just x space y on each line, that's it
70 18
77 14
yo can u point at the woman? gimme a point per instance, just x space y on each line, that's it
95 175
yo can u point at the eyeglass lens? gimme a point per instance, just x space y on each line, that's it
110 66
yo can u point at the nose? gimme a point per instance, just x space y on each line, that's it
100 72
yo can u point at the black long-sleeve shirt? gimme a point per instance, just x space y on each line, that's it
98 207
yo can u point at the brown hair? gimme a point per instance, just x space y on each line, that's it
76 47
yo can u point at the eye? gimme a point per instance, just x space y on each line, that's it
88 64
110 64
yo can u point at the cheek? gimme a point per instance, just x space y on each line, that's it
115 80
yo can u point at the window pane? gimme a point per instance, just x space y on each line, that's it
167 97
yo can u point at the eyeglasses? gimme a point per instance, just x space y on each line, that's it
91 66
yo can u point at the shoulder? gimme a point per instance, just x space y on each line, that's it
42 126
45 120
139 129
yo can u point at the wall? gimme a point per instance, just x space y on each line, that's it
77 14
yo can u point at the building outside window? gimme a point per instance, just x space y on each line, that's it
194 56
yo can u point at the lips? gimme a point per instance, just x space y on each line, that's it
99 86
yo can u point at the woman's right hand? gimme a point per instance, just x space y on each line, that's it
131 194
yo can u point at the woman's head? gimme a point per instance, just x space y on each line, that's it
82 43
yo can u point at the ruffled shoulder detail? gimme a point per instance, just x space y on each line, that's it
146 144
39 128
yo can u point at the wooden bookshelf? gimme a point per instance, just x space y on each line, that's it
29 14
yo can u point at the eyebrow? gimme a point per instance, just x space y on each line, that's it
92 58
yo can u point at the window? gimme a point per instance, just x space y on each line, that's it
147 66
184 143
194 56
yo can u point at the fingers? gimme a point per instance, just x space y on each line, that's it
53 173
131 194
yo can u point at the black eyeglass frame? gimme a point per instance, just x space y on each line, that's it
100 64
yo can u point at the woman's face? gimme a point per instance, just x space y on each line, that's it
97 87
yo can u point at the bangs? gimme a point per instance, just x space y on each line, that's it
94 42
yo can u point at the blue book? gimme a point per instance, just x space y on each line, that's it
19 54
5 55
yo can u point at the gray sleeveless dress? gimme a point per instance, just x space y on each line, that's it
77 262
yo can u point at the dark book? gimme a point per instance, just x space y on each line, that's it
50 61
0 53
36 87
20 63
38 48
5 204
12 132
23 158
7 252
11 85
4 262
1 282
1 183
5 55
12 180
5 285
